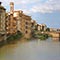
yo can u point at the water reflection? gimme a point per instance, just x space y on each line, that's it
56 39
31 50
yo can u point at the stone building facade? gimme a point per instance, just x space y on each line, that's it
25 26
18 21
41 27
11 7
2 19
11 24
33 24
18 16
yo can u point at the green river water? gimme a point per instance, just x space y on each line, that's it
31 50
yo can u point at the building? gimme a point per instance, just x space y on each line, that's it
33 24
18 16
11 7
41 27
23 21
26 26
13 20
54 30
18 21
58 30
2 19
11 24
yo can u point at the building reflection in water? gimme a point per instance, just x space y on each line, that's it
56 39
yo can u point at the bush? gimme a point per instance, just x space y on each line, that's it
14 37
43 36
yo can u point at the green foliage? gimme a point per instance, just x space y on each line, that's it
11 38
33 34
43 36
40 35
48 29
14 37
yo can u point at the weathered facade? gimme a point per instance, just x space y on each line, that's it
2 19
33 24
26 26
11 24
11 7
18 16
41 27
18 21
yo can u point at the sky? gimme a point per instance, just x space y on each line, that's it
43 11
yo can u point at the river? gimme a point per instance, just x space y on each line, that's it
31 50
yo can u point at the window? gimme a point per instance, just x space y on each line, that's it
26 27
26 23
26 32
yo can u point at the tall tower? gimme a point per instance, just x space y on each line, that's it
11 7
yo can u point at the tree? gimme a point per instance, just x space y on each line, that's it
48 29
